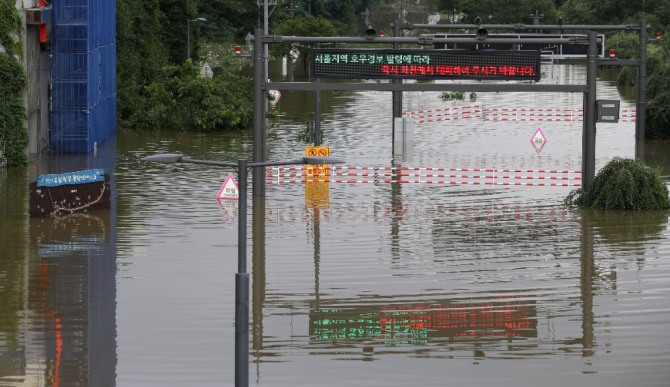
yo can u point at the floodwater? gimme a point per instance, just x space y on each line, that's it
456 277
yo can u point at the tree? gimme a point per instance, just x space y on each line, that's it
613 11
508 11
304 25
140 52
228 20
13 135
174 24
185 101
658 107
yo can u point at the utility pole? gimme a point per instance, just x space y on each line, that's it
536 19
266 57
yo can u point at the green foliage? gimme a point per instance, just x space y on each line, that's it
186 101
598 12
13 135
457 96
454 95
10 27
174 23
227 20
306 25
624 184
306 134
626 44
508 11
627 76
140 52
658 105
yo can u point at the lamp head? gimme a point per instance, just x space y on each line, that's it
321 160
168 158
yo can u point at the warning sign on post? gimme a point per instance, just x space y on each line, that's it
316 178
229 190
317 151
317 172
539 140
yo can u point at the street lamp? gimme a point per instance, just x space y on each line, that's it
188 34
242 276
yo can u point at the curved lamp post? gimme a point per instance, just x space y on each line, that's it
242 276
188 34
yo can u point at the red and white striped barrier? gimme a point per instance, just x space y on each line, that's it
445 114
508 114
425 175
546 114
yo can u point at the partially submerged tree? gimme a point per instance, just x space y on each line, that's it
624 184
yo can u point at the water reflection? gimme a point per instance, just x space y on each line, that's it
58 288
384 284
73 298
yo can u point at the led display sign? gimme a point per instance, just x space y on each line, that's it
426 64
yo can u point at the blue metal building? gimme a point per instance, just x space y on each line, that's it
83 74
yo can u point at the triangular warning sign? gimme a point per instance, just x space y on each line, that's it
229 190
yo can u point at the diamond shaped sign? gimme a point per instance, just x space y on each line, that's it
539 140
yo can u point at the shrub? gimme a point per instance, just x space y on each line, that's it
183 100
624 184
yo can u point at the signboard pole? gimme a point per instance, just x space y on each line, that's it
242 286
589 131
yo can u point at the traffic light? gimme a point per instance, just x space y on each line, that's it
482 33
370 33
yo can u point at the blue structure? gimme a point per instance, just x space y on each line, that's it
83 74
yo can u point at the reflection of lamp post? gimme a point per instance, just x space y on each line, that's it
242 276
188 34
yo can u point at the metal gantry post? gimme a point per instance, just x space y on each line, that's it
589 130
397 95
259 114
640 121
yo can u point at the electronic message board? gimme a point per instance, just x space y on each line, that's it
426 64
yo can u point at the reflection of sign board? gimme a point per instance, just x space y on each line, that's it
416 323
229 190
538 140
608 110
317 194
229 209
69 193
